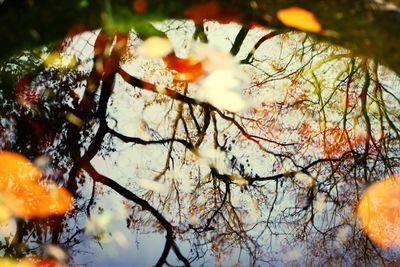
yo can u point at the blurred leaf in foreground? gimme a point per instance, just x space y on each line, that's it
299 18
24 194
378 212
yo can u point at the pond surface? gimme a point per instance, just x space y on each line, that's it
179 152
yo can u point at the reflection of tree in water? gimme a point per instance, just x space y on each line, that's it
277 183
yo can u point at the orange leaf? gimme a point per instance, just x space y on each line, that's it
189 69
378 212
30 262
299 18
24 194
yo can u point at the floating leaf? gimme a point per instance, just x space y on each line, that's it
155 47
188 69
219 89
72 118
96 225
121 239
305 180
58 60
56 252
194 220
7 262
238 179
23 193
378 212
4 213
214 59
29 262
299 18
40 262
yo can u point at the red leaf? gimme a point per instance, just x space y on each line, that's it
41 262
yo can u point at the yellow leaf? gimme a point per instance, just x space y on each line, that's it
56 252
72 118
58 60
155 47
4 213
8 262
299 18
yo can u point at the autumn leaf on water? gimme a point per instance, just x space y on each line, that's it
30 261
378 212
23 193
98 224
299 18
217 75
214 59
220 89
204 60
72 118
155 47
56 252
60 61
40 262
188 69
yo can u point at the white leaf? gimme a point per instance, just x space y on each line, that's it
214 59
220 88
56 252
